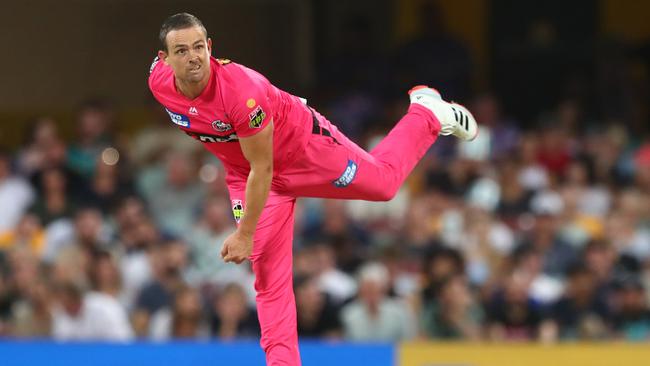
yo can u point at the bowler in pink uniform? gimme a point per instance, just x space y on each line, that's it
276 148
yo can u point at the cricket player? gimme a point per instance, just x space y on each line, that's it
275 148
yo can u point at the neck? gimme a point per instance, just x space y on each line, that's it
192 90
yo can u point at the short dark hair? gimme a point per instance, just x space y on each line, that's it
178 21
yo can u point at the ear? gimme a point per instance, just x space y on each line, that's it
209 45
162 55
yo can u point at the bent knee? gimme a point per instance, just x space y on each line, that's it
382 195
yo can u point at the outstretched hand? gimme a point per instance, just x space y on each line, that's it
237 247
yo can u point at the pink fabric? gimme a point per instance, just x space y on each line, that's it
379 175
305 165
273 267
225 109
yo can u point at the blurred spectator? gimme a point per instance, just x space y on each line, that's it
108 186
104 275
16 195
420 223
232 317
373 316
404 277
19 277
343 234
338 285
600 257
441 263
183 320
205 241
515 197
533 175
88 316
169 265
32 316
151 143
28 233
631 314
89 237
43 148
511 314
554 153
504 132
136 235
54 201
624 228
528 264
95 119
318 316
642 167
544 236
585 206
582 313
173 193
454 314
485 244
187 315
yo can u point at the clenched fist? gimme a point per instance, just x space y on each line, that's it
237 247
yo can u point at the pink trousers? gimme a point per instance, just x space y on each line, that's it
331 166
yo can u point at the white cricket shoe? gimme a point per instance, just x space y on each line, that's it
454 118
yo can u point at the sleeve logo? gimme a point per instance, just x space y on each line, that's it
256 117
348 175
179 119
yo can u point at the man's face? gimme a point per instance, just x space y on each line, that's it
188 54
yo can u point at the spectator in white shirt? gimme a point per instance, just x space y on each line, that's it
91 316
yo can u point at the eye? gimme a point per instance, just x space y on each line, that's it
199 47
181 52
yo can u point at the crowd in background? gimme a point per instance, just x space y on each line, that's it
538 230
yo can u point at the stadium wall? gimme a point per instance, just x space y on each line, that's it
29 353
14 353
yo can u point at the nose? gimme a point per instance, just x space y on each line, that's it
195 54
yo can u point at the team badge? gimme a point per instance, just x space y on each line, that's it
256 117
237 210
221 126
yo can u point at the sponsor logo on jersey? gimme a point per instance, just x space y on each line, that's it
194 111
212 138
221 126
179 119
348 175
237 210
250 103
256 117
223 61
153 64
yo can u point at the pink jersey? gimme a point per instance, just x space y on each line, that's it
237 102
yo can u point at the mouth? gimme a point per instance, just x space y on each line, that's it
194 68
